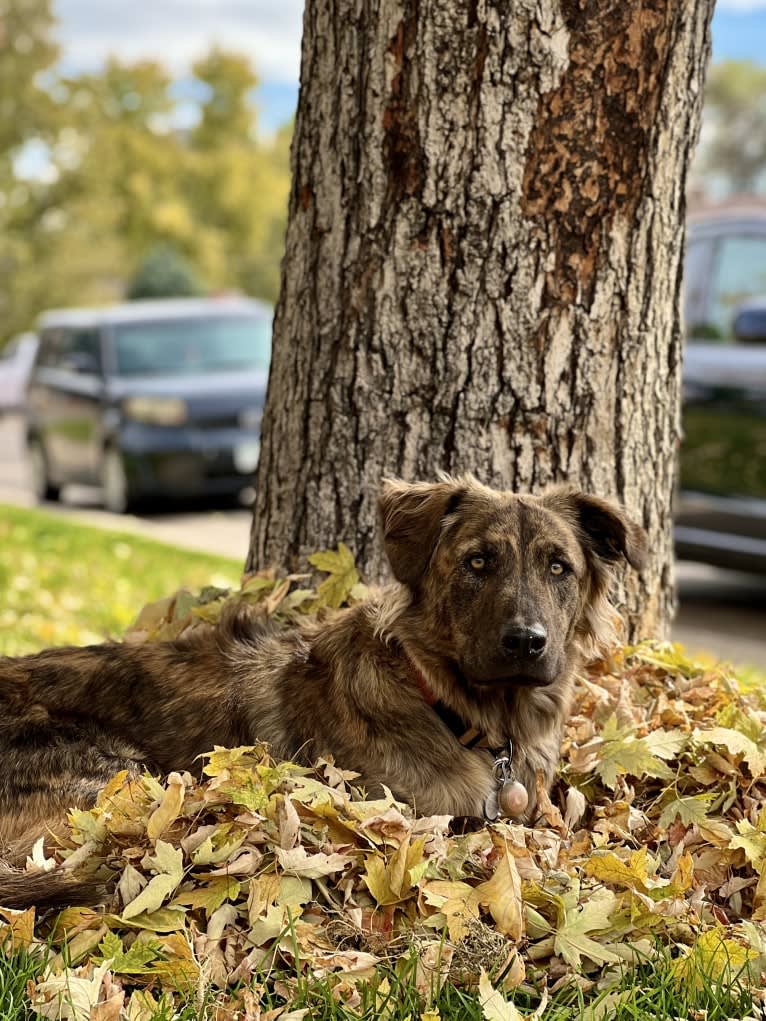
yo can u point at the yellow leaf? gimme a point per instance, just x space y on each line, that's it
219 846
20 930
690 810
221 759
622 752
69 995
151 897
735 743
456 902
169 919
311 866
392 881
169 808
210 895
632 874
294 891
572 941
753 842
178 966
494 1006
502 896
683 877
666 744
343 575
712 959
143 1007
258 585
168 862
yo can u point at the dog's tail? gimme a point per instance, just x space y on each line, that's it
59 888
24 885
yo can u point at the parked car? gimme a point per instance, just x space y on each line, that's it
15 365
721 508
149 399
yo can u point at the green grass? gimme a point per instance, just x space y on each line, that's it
651 992
63 583
16 969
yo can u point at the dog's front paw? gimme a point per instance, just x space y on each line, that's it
462 824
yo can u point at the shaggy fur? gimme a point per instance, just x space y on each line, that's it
471 564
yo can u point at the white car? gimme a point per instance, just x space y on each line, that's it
15 365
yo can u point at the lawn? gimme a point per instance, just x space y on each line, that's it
62 583
264 893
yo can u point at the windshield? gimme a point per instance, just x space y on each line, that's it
189 347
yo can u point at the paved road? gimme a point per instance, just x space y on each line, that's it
721 612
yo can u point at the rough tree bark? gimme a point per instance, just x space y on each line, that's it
483 263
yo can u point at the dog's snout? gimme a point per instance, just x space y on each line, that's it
522 642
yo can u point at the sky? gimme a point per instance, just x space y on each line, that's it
176 31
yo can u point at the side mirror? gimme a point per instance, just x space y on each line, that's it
750 324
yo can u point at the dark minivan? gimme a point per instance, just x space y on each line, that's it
721 512
149 399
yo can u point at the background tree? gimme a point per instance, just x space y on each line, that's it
119 171
483 262
27 112
240 183
164 274
26 49
734 136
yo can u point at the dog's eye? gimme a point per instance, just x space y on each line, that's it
558 567
477 563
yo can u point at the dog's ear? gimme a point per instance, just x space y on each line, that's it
604 527
412 516
607 534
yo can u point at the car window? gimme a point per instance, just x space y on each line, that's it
696 270
78 350
82 350
188 347
739 274
49 346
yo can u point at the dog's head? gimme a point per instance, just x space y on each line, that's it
506 587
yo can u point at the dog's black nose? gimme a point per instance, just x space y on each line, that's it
525 642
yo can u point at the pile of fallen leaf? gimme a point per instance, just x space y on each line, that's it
655 835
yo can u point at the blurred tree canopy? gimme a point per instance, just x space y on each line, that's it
163 274
99 170
733 146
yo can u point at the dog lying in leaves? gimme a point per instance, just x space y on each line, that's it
423 687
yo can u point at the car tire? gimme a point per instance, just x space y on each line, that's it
42 487
117 494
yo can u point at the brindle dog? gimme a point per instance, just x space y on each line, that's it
499 598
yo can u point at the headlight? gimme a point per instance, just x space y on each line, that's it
156 410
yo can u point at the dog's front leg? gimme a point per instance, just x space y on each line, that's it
432 786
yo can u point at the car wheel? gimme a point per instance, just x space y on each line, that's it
117 495
42 487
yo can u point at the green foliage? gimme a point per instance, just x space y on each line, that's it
227 111
164 274
18 966
122 179
735 115
26 49
67 584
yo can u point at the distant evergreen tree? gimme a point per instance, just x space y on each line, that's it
164 274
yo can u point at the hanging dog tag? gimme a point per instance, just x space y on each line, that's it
491 811
512 799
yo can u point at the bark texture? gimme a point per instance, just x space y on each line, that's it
483 263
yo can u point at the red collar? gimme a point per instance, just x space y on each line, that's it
429 697
466 735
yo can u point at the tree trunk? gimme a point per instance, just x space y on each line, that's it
483 263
